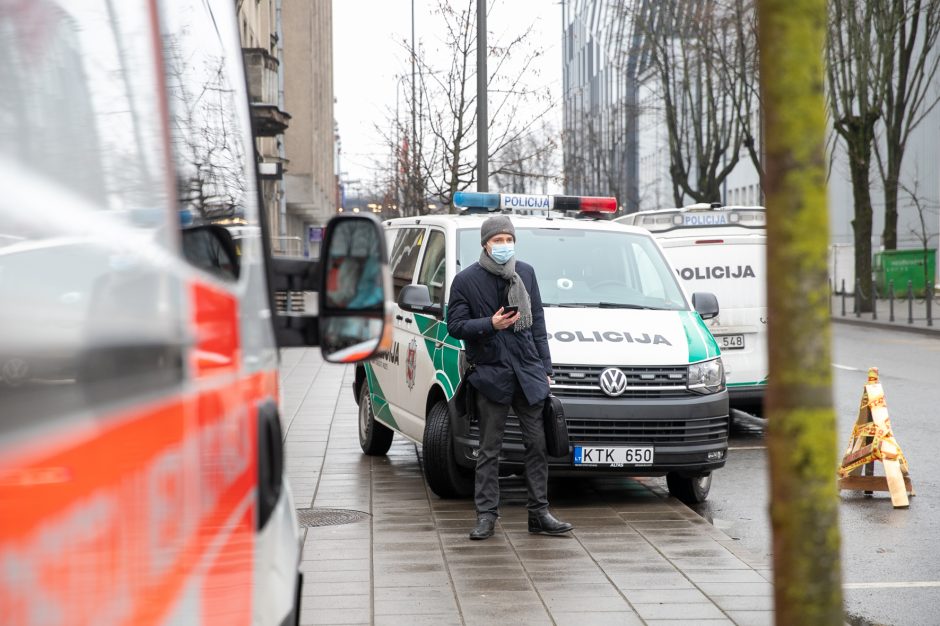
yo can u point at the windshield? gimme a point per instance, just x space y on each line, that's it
590 268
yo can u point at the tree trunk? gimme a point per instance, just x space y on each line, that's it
889 235
801 421
859 134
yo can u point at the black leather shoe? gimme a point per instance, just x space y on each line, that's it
544 522
484 528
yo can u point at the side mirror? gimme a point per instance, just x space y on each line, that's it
347 316
211 248
417 299
706 304
354 314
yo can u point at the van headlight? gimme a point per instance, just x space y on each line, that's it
707 376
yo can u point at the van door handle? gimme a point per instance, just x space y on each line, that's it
399 318
408 321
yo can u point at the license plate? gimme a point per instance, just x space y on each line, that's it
613 457
731 342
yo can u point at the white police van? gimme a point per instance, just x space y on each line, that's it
639 375
722 250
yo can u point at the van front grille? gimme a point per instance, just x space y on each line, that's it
629 432
583 381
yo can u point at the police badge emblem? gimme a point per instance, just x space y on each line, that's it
410 362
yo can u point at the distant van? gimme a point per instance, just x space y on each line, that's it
722 249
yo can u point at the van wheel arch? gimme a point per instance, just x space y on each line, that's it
359 381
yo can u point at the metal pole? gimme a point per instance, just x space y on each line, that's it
858 290
843 297
910 302
891 300
929 304
483 174
414 123
874 301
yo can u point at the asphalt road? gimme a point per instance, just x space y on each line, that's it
890 556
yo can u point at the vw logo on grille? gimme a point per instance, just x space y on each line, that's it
613 382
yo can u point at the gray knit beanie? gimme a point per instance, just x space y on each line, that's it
496 225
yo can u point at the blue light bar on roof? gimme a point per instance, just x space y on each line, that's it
474 199
528 203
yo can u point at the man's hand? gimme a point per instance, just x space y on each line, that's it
503 321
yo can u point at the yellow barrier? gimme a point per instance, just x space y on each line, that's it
872 440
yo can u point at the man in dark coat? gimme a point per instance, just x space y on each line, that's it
495 307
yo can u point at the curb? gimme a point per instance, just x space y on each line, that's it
930 331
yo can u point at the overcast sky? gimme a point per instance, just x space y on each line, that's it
369 56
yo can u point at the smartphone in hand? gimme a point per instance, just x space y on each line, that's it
510 310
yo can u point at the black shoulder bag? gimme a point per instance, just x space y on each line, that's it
556 430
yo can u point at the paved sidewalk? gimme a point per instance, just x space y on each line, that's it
636 556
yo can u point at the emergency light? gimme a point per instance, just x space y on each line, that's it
699 216
525 203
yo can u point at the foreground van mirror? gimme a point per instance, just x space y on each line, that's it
706 304
211 248
355 285
337 303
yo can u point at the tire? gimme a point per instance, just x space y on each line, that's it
689 489
374 438
445 477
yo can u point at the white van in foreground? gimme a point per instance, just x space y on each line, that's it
723 250
637 371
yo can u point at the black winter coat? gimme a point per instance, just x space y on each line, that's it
500 358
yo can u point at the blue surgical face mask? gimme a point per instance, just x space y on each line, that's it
502 252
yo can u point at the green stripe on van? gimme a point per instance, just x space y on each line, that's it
379 404
444 351
702 346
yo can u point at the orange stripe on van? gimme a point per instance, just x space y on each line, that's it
215 322
122 522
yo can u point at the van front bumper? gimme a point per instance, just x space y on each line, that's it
688 434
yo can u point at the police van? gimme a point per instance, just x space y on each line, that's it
142 475
722 249
640 377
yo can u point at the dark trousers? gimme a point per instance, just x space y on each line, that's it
492 424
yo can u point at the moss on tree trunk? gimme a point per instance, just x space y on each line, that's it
801 432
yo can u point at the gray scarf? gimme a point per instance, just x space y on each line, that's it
518 296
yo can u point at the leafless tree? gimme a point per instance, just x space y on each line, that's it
210 179
736 54
908 34
446 157
854 67
598 147
530 164
702 66
922 233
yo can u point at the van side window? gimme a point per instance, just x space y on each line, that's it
214 181
433 266
404 257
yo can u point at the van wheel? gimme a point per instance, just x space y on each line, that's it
374 438
445 477
689 489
